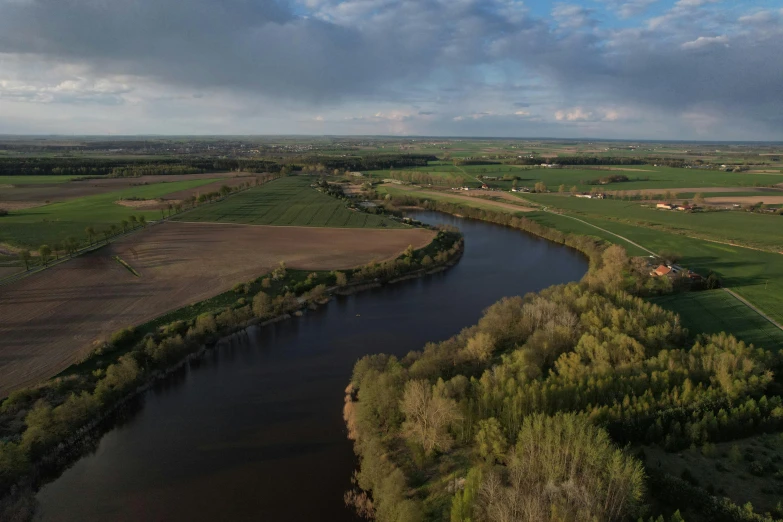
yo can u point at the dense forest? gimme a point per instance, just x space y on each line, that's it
539 412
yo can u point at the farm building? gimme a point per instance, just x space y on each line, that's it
661 271
664 206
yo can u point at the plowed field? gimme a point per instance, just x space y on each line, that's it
50 320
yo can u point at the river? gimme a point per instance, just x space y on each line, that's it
254 431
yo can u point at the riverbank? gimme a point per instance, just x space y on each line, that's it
255 426
571 370
41 425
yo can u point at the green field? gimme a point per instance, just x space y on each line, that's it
716 311
287 202
640 176
755 275
52 223
746 228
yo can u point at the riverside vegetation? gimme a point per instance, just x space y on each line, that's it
39 425
541 411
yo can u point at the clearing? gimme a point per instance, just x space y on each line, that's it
51 319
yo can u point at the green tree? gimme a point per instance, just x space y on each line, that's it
45 252
133 220
490 440
462 504
24 255
124 225
71 245
143 221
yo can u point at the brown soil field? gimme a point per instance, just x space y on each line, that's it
20 205
761 198
51 319
76 189
704 190
212 187
6 271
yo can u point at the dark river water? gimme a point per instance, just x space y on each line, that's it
254 431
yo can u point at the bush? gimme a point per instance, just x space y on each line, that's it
3 212
122 338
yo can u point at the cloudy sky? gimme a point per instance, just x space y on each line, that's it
659 69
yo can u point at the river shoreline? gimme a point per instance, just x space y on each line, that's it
277 367
70 450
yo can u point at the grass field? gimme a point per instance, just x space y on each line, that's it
53 223
755 275
287 202
745 228
640 176
716 311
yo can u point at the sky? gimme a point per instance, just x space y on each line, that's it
635 69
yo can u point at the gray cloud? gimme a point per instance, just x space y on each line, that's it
432 53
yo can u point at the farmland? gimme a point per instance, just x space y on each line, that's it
715 311
40 190
640 177
755 275
287 202
52 318
53 223
745 228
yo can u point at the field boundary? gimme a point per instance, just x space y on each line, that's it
603 230
91 248
752 307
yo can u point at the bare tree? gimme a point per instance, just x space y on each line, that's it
428 416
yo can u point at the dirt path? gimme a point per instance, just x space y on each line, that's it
604 230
